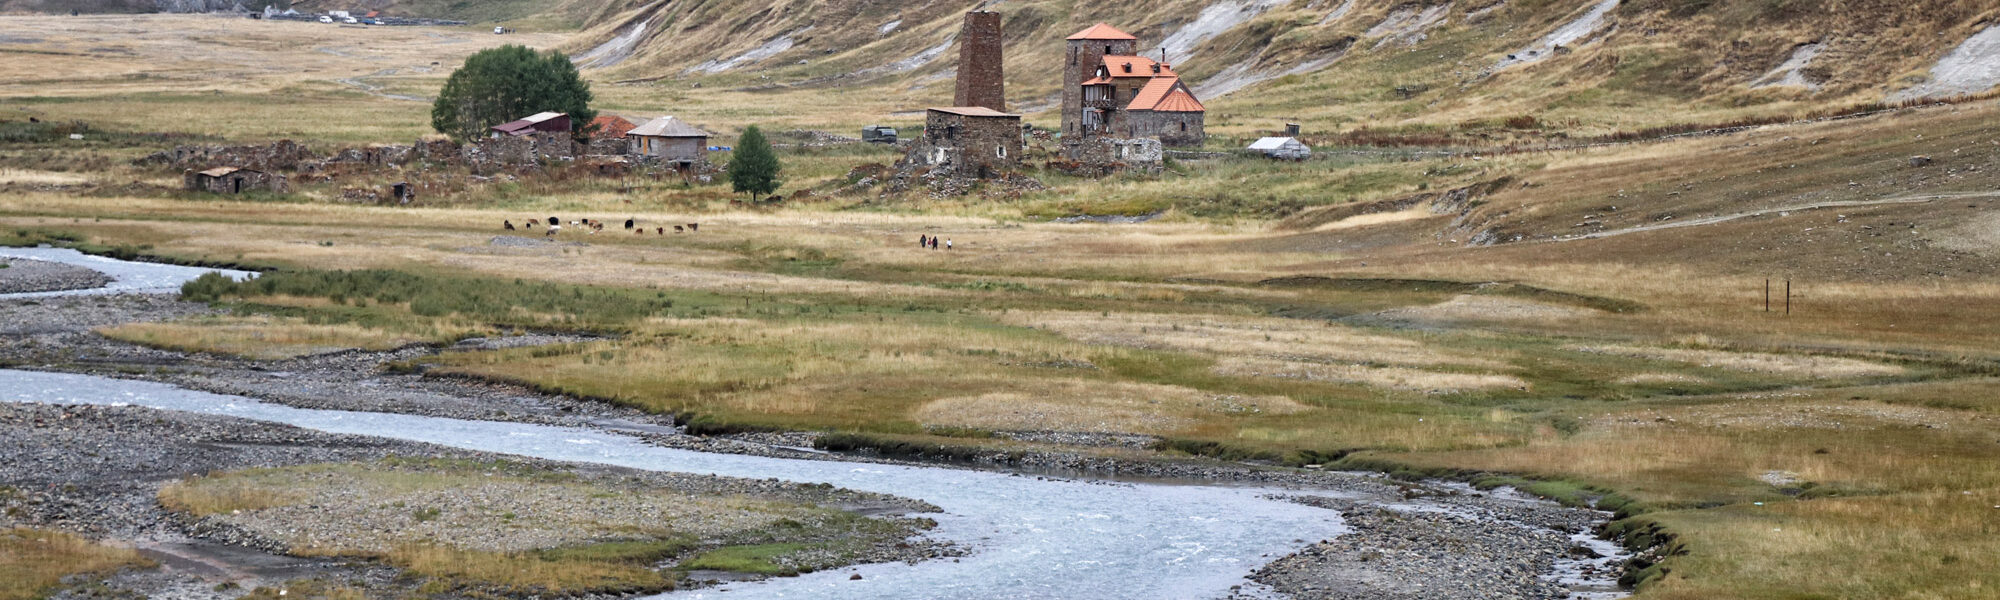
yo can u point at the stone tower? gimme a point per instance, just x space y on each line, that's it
981 76
1086 51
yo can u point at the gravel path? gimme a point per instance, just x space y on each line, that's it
20 275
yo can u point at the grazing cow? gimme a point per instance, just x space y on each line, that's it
552 230
660 230
508 224
694 227
640 231
677 229
628 223
528 224
553 222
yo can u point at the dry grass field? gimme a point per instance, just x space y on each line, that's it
505 528
1592 320
32 561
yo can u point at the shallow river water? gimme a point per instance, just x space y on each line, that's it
1031 538
126 277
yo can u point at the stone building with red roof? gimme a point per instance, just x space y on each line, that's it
1111 91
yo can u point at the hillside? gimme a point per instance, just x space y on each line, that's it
1579 66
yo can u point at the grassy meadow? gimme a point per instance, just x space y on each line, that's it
1587 324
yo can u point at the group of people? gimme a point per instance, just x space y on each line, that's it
931 241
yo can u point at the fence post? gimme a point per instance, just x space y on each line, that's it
1788 297
1767 295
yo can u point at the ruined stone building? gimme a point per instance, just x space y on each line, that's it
232 180
1111 92
977 139
973 142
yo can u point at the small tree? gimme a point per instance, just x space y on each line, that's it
502 84
755 167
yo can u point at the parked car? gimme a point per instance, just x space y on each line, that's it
499 30
325 19
351 21
879 134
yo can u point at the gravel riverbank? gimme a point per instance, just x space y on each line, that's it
1409 540
20 275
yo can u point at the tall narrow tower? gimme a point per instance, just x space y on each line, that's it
1086 51
982 79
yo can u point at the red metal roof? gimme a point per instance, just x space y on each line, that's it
1180 101
1102 31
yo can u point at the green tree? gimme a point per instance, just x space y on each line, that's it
507 83
755 167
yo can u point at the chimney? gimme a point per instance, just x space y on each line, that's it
981 76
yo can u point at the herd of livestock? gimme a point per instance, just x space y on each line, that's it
594 226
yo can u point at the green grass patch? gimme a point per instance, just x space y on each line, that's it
760 559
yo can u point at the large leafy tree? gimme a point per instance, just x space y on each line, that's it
502 84
755 167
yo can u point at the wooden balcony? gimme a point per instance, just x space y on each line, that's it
1107 104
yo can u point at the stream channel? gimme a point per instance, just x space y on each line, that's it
1031 537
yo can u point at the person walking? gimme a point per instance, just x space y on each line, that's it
923 241
947 244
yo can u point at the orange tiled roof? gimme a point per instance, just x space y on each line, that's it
1140 66
1102 31
1165 94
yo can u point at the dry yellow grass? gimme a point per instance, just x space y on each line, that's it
1474 308
1938 545
1401 378
1243 336
523 573
1818 367
34 560
1095 407
1660 378
259 337
33 177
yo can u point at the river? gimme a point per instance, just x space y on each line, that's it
1031 537
126 277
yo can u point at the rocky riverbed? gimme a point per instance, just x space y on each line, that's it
20 275
1408 540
